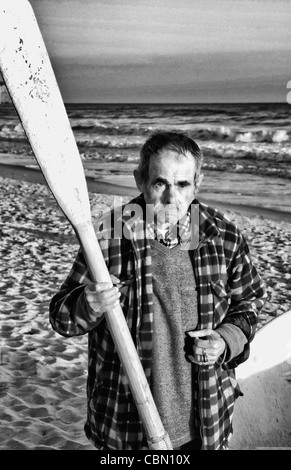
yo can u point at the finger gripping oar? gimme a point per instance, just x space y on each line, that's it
32 85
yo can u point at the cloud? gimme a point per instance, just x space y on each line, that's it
123 47
176 78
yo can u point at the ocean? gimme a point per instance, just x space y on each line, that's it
246 138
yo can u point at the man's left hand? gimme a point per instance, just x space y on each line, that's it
208 346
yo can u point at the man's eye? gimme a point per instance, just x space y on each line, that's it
184 184
159 184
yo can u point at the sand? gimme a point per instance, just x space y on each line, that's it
43 375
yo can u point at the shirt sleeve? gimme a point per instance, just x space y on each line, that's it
69 312
235 341
247 297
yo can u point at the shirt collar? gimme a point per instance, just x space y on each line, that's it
173 237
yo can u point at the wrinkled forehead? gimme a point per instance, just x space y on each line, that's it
170 164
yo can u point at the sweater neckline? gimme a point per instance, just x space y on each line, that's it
155 244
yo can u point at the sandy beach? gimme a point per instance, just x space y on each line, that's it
43 375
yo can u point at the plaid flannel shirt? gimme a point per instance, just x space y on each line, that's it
229 291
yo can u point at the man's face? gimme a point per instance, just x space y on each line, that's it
171 184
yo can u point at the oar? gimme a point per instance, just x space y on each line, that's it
32 85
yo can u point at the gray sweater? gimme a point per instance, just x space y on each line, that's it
175 312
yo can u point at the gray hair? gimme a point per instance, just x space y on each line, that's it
175 141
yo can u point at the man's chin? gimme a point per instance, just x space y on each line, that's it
165 215
168 217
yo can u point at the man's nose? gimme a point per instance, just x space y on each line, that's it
170 195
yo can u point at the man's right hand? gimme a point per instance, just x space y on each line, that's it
102 297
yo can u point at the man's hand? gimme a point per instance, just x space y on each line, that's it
102 297
208 350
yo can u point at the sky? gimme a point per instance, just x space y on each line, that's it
159 51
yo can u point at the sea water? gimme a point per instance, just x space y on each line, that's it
247 138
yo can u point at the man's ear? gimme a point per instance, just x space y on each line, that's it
138 180
199 181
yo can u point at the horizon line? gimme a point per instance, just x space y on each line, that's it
175 102
162 103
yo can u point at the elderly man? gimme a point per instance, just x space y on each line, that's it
190 294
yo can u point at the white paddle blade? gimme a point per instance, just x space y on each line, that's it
270 347
31 82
